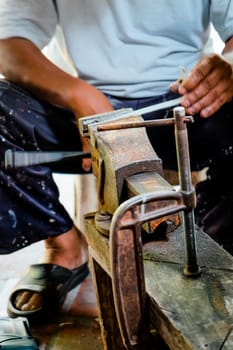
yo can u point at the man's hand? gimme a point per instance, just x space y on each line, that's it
89 101
208 86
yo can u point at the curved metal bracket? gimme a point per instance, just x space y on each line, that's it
127 264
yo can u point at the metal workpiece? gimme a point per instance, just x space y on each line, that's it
93 120
105 118
137 124
153 108
16 158
191 267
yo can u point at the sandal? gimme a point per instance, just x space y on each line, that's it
53 282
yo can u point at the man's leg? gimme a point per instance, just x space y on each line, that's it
32 210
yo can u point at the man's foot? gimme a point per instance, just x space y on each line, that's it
68 250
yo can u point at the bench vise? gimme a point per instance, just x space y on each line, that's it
125 165
133 196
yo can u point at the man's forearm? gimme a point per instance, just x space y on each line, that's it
23 63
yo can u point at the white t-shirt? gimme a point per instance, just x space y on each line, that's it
127 48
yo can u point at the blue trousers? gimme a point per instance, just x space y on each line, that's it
30 208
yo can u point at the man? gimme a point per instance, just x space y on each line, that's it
127 54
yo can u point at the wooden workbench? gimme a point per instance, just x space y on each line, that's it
188 313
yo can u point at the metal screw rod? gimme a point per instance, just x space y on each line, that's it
191 267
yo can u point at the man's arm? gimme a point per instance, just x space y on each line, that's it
23 63
210 84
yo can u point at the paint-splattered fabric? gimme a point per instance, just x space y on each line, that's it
30 210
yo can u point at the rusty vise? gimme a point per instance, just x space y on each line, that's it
133 196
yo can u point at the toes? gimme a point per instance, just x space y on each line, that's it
28 301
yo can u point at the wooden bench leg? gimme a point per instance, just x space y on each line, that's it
85 198
108 322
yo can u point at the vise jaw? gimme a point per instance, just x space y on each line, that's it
124 163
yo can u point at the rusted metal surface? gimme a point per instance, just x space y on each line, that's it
191 267
136 124
151 182
116 156
127 263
